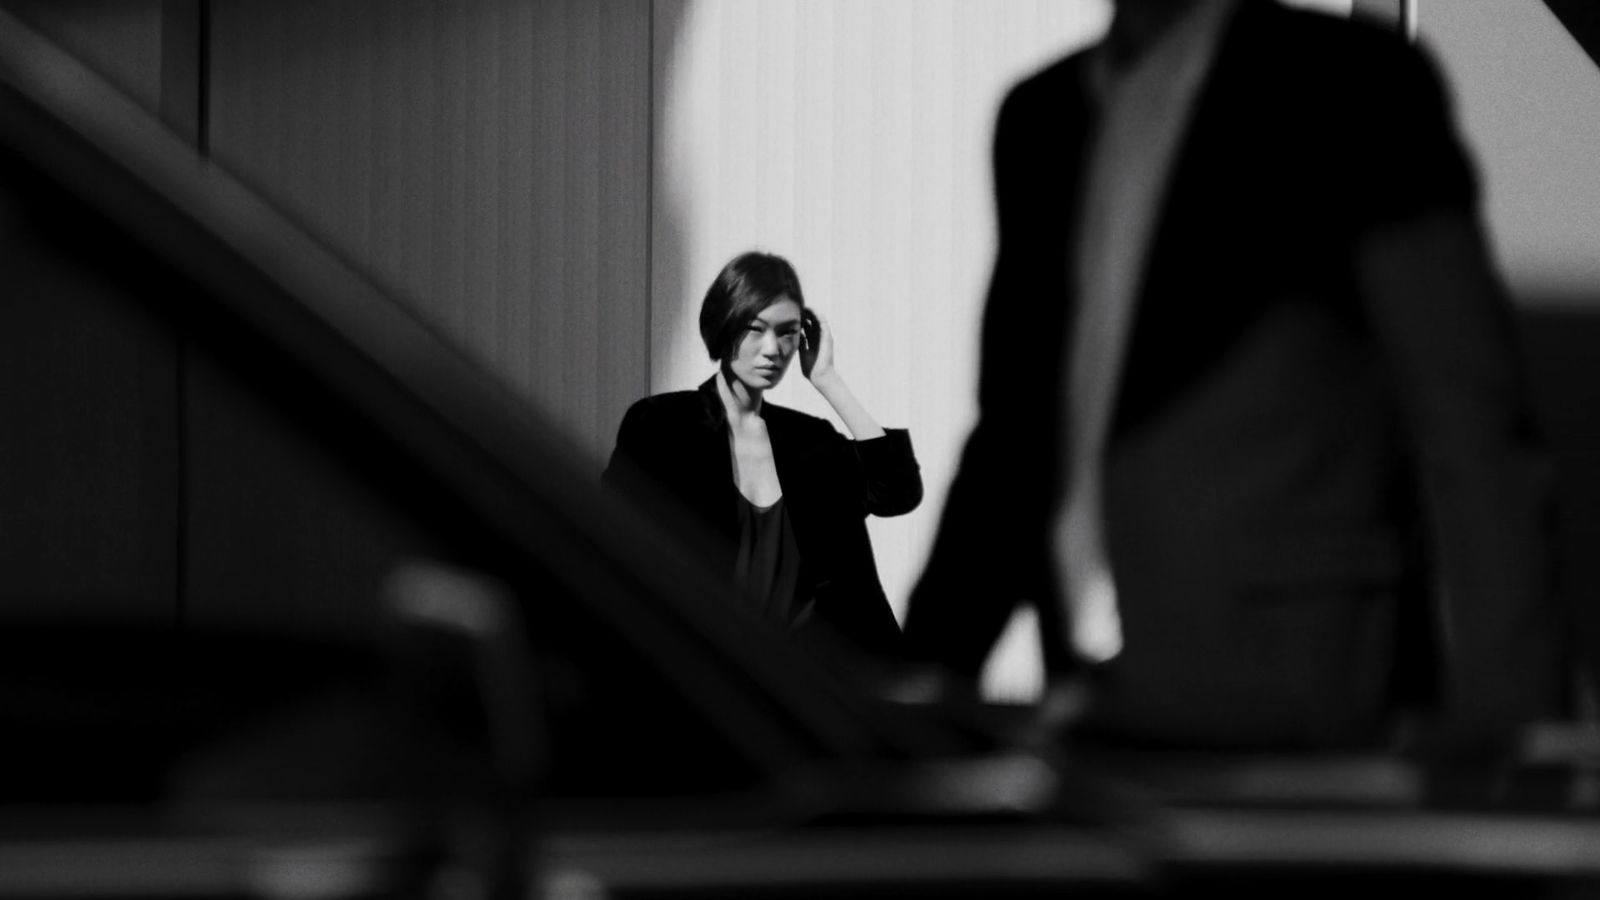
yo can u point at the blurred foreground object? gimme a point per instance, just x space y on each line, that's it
558 700
1270 478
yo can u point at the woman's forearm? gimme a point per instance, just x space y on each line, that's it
856 419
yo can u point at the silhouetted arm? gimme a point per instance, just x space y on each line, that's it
989 553
1446 327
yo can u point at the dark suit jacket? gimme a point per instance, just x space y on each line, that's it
1319 506
672 449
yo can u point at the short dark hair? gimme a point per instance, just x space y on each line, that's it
749 283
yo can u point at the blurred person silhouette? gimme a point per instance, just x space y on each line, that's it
784 495
1250 430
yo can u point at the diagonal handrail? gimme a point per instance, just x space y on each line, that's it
1581 18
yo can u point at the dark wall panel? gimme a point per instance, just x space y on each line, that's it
487 160
295 518
1560 343
88 417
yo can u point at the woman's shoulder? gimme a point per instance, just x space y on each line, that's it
667 400
794 421
672 412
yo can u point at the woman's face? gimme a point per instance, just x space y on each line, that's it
764 350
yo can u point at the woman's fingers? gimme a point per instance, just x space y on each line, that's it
824 332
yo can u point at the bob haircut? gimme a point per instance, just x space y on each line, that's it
749 283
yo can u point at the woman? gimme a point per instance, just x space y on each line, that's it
784 494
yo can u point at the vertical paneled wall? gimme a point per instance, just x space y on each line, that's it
88 383
89 412
853 138
487 161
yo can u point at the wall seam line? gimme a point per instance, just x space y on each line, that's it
649 199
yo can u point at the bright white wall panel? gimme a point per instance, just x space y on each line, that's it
854 138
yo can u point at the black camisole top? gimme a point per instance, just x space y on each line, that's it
767 564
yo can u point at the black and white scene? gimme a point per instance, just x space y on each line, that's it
589 449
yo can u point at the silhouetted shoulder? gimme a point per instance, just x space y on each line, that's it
1353 100
1308 28
1351 54
1046 85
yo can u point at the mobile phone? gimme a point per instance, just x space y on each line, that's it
810 328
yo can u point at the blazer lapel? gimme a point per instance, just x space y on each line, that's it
784 451
715 460
789 453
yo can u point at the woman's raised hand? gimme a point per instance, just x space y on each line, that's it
816 362
816 345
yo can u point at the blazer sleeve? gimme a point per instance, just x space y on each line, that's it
1437 307
891 476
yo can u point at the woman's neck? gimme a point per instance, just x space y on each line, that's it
739 401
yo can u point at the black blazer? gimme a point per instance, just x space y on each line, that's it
673 449
1320 504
